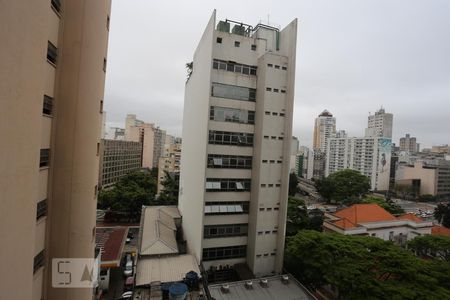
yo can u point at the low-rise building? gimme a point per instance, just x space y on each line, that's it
373 220
117 159
427 178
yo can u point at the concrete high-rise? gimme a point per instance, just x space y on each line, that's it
237 133
380 124
409 144
324 129
52 78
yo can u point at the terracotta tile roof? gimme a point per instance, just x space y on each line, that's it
411 217
363 213
439 230
111 241
344 224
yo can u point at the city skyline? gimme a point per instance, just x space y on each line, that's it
355 55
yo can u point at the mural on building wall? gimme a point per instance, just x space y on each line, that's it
384 158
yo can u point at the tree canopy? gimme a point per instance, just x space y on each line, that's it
293 184
442 214
362 267
169 193
343 186
436 246
129 194
299 219
386 204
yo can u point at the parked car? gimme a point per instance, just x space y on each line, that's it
129 283
128 269
126 295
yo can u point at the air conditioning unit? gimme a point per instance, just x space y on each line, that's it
249 284
225 288
264 282
285 279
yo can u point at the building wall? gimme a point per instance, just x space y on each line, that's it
380 124
427 176
27 75
195 140
117 159
80 90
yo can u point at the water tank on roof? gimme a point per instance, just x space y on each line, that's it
178 291
223 26
192 279
238 29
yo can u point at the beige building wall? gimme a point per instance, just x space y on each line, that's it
70 129
428 176
274 55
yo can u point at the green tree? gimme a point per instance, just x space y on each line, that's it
129 194
299 219
169 193
427 198
293 184
388 205
362 267
437 246
344 186
442 214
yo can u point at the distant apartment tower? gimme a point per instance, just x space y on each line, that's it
117 159
152 138
324 129
169 163
52 78
237 132
371 156
409 144
380 124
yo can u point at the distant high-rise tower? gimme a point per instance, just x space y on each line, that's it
380 124
409 144
324 129
237 134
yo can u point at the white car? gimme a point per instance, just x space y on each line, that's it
126 295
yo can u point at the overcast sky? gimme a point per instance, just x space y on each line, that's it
352 57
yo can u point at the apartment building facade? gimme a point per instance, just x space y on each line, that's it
117 159
52 78
324 129
169 163
409 144
237 130
369 155
380 124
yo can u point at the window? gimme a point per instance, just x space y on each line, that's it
215 231
234 67
254 47
44 160
227 185
233 92
226 114
283 68
237 44
231 138
276 90
283 91
226 208
268 89
270 65
47 107
281 114
39 261
56 5
277 66
219 40
108 18
41 209
52 53
229 161
101 106
224 252
104 64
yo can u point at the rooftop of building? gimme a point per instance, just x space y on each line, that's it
439 230
272 288
110 241
158 230
165 269
325 113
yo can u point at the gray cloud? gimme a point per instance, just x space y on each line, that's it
353 57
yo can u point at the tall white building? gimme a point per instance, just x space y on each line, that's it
370 156
409 144
324 129
237 132
380 124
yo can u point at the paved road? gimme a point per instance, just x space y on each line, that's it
415 207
